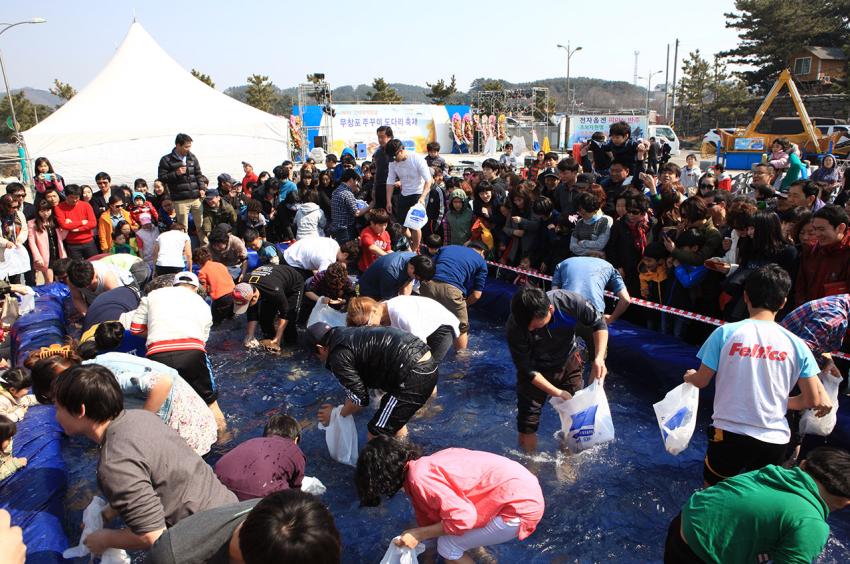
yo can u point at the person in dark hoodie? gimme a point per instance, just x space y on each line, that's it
774 514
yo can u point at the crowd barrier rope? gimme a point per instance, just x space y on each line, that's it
640 302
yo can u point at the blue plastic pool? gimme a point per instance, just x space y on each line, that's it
612 503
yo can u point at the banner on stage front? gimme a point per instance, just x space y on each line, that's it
413 124
581 127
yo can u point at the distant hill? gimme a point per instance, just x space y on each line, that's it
37 96
590 93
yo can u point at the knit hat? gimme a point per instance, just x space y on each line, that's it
137 195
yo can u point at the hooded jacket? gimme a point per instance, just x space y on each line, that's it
458 224
364 358
310 221
824 271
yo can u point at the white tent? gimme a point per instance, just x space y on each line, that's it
127 117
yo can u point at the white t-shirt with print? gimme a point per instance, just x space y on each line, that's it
420 316
757 363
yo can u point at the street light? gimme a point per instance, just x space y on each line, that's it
15 124
570 54
648 85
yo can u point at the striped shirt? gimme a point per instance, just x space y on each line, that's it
343 208
822 323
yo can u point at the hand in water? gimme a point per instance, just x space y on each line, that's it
325 414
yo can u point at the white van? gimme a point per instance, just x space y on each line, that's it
664 132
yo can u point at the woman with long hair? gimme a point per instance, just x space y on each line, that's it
45 240
46 177
465 499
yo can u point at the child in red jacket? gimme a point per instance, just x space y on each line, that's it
140 206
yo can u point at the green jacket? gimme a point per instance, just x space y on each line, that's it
773 511
458 224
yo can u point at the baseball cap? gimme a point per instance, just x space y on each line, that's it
224 177
317 333
245 163
144 218
549 172
186 277
242 294
211 194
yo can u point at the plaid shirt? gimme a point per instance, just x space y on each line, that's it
343 208
822 323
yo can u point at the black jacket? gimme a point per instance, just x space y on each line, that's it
547 349
180 186
363 358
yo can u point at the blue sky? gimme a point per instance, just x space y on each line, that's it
354 41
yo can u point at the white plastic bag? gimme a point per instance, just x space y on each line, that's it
586 418
27 302
677 417
341 436
416 218
313 486
402 554
324 313
93 521
811 424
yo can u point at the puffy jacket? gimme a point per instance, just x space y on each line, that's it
180 186
363 358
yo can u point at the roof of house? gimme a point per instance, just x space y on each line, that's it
827 53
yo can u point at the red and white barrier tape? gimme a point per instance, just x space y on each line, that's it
638 301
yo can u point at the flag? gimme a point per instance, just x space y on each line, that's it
546 147
535 143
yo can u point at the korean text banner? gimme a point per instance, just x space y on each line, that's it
581 127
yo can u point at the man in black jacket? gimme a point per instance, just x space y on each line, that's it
382 167
546 357
382 358
179 170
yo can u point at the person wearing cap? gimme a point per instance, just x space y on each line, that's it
249 178
774 514
314 254
229 190
216 212
176 322
547 182
271 296
459 278
412 171
381 358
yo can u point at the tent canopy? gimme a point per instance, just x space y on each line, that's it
128 116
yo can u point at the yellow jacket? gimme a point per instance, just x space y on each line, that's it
104 228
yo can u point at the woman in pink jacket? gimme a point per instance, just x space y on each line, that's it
45 240
464 498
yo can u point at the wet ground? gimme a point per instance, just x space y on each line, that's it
611 503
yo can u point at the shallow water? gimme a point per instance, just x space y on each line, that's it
612 503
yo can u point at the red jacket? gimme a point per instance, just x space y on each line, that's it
71 220
824 271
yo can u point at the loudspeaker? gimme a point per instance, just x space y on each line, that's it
320 141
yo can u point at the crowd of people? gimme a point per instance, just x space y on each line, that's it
400 245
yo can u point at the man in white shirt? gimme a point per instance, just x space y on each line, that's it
314 254
758 363
412 171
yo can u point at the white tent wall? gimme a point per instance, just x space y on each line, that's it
127 117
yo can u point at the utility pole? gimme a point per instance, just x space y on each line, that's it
667 82
635 78
675 68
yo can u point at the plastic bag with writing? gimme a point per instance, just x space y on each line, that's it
416 218
324 313
341 436
93 521
312 486
586 418
402 554
677 417
811 424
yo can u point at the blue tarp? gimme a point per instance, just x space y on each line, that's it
34 495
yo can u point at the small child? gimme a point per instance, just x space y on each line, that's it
779 154
724 179
654 283
433 158
15 398
146 238
685 285
275 461
508 160
120 243
432 245
523 279
459 218
620 146
375 240
140 206
267 252
8 464
217 282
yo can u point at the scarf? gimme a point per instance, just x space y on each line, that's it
638 230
